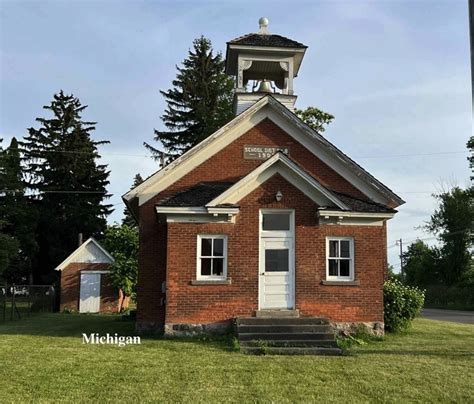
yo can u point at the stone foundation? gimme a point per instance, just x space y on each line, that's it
375 328
191 330
150 328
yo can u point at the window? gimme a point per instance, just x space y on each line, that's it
212 257
276 221
340 258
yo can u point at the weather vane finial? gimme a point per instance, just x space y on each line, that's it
263 23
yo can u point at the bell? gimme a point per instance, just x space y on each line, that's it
265 86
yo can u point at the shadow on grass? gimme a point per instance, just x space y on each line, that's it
62 325
416 353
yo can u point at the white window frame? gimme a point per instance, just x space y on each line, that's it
350 259
199 257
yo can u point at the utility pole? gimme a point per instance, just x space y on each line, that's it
400 243
471 34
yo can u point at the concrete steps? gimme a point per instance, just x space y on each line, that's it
286 335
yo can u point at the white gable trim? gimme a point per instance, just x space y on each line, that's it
267 107
108 258
282 165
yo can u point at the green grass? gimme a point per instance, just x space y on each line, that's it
43 359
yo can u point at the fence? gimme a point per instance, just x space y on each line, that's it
17 301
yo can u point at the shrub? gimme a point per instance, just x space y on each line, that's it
401 305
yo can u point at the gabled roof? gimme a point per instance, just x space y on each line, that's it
199 195
85 252
266 107
279 164
271 40
361 205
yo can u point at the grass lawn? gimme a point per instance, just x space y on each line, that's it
43 359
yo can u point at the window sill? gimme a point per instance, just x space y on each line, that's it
202 282
341 283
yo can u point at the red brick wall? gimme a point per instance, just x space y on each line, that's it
229 164
175 245
70 288
206 304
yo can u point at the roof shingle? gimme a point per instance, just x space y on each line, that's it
198 195
276 41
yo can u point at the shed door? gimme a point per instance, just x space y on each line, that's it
90 293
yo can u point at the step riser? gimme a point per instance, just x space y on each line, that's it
277 313
286 336
284 328
294 344
282 321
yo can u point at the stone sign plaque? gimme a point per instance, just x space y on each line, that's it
256 152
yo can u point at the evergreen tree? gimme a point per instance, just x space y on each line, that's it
61 163
19 214
128 219
9 246
199 103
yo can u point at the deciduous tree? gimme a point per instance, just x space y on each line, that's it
315 118
122 244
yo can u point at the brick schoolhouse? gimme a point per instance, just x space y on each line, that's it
264 218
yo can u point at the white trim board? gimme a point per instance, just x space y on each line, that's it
107 258
267 107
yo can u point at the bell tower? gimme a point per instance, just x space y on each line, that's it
263 63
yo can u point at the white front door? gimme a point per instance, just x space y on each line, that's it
89 293
277 263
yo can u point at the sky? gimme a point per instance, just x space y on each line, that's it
395 74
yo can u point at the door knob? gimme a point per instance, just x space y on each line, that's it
263 273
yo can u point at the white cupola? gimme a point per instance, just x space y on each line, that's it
263 63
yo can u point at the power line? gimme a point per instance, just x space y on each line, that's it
432 237
151 156
413 154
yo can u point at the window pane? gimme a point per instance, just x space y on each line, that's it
206 266
276 260
333 248
333 267
206 244
344 267
218 247
218 266
345 248
276 221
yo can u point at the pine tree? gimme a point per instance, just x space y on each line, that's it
199 103
19 215
128 219
9 246
70 185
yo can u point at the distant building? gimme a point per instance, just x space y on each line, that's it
85 284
